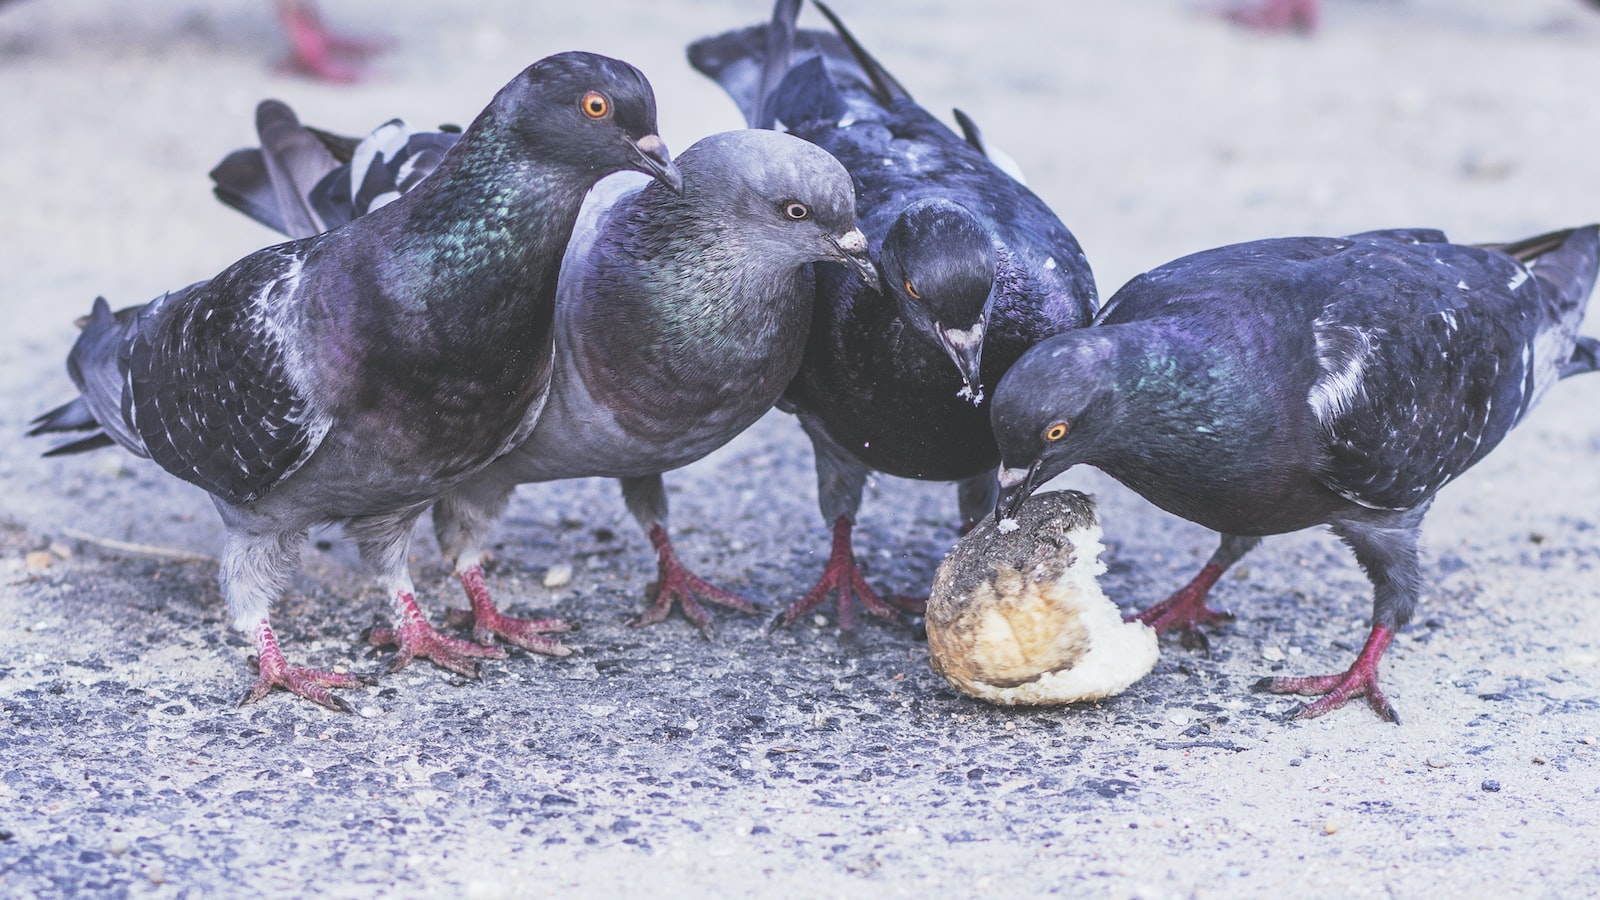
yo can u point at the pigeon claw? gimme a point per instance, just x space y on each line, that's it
842 574
675 583
312 684
488 622
1360 680
318 52
416 638
1334 690
1186 610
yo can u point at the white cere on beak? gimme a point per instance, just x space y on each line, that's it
1010 477
853 241
965 343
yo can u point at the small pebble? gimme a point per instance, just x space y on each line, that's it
39 559
1539 760
820 621
1330 827
1490 785
558 576
369 712
1007 526
1272 654
1438 762
155 874
118 844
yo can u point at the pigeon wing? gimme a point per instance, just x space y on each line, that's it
210 387
1420 376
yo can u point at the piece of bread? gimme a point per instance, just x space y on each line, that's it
1017 618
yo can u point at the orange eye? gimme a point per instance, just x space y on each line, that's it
912 291
1056 432
595 105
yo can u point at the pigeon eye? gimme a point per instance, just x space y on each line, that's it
912 291
595 105
796 210
1055 432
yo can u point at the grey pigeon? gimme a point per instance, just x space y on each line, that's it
1272 386
975 269
358 375
679 320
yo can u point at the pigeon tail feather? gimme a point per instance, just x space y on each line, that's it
884 85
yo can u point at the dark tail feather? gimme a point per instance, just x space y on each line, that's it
274 184
1566 264
969 130
95 369
241 181
295 161
884 85
92 442
775 61
74 415
1585 358
1529 249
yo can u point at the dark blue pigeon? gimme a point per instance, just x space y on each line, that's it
975 269
679 320
358 375
1267 387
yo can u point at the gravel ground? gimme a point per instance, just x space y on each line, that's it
791 763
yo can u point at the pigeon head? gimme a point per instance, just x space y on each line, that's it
586 112
938 263
794 200
1051 411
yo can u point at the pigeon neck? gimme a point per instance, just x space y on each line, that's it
493 217
1167 391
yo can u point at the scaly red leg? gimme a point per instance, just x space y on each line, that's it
416 637
1277 15
488 622
842 575
1360 680
675 583
315 50
1186 609
273 671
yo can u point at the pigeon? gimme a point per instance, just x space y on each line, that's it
358 375
1271 386
975 269
679 320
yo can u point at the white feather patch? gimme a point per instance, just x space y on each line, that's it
1342 352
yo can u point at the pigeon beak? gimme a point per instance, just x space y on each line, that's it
852 247
965 347
1016 486
655 161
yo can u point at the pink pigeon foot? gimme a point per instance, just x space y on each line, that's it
416 638
316 51
1360 680
273 672
676 584
842 574
488 622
